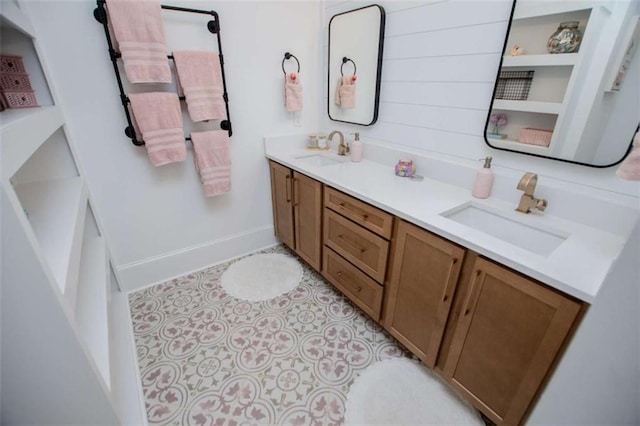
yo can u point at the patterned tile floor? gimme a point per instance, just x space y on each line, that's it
209 359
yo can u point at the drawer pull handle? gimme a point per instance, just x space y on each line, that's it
295 192
350 244
445 296
364 216
467 309
287 188
357 287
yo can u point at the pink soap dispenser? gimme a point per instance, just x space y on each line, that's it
484 180
356 149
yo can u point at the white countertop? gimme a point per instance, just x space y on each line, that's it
578 266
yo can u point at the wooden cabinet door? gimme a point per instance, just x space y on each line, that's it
507 338
424 274
307 208
282 195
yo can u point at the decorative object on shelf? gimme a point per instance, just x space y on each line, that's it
516 50
14 84
566 39
514 85
11 64
497 120
533 136
405 168
630 167
292 86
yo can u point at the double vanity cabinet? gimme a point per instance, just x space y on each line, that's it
493 334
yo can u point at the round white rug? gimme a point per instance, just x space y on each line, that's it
261 277
399 391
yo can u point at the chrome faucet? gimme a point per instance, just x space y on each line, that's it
342 148
528 202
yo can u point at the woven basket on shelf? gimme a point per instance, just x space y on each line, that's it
532 136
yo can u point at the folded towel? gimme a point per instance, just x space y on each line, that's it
139 36
630 167
200 79
346 92
213 163
292 92
157 115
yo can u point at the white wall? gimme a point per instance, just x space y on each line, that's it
439 65
157 221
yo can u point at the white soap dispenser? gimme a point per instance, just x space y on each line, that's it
356 148
484 180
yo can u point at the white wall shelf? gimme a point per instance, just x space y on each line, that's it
566 59
56 211
22 133
13 16
522 147
528 106
91 307
544 8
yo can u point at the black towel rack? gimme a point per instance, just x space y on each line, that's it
288 56
100 14
344 61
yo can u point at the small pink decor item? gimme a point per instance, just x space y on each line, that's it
630 167
157 115
200 79
212 160
139 35
292 92
405 168
532 136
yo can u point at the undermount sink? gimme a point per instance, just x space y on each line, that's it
509 227
319 160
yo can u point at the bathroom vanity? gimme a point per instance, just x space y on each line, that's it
490 313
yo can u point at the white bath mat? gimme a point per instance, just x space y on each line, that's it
399 391
261 277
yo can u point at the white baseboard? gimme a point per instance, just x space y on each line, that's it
136 275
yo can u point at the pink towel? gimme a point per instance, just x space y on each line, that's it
630 167
159 118
139 35
292 92
200 78
346 92
213 163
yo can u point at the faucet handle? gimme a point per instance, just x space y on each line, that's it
541 204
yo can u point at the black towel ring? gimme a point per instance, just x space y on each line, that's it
344 61
287 56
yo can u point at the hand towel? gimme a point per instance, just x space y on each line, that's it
200 79
292 92
213 163
158 117
345 96
630 167
139 35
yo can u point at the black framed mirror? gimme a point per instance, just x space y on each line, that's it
356 40
569 82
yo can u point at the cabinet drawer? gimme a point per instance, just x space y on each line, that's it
358 287
361 213
363 248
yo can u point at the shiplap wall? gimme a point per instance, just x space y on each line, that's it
440 61
439 65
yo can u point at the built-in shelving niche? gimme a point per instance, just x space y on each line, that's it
13 41
54 198
91 300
